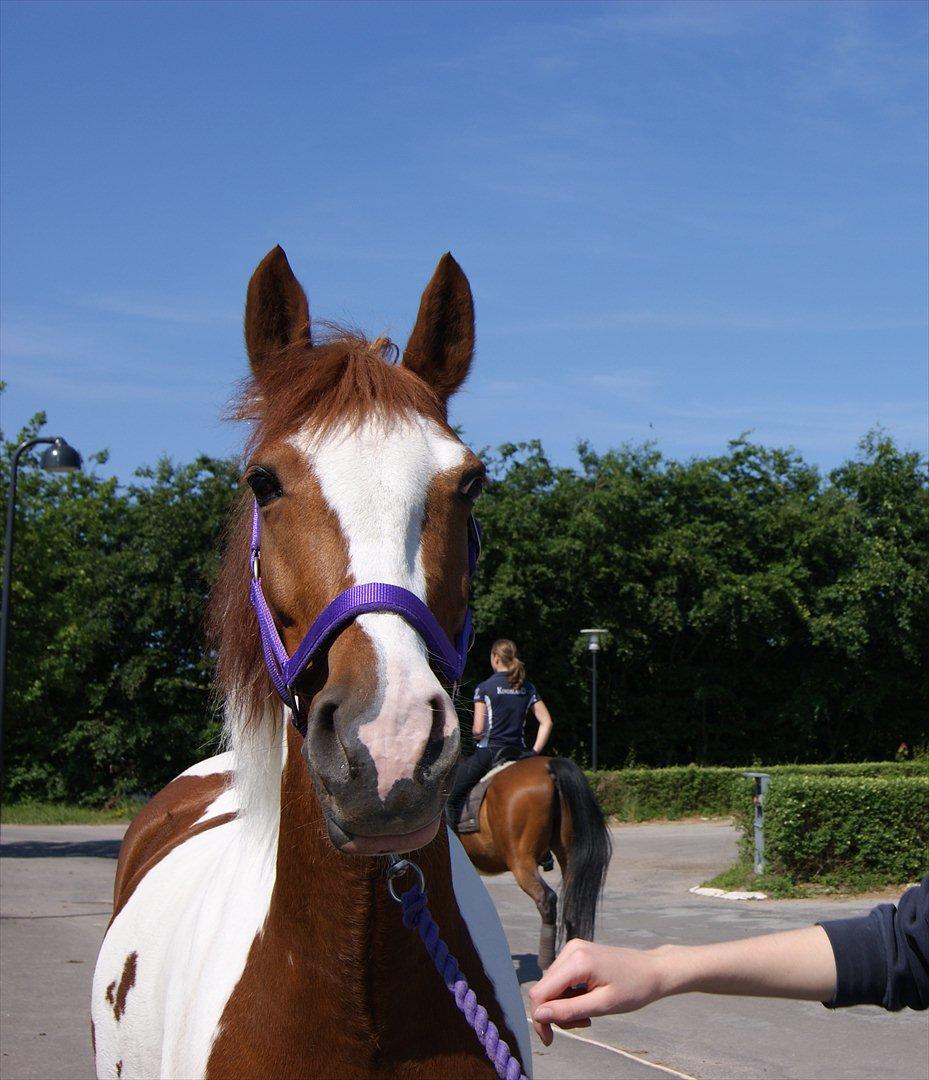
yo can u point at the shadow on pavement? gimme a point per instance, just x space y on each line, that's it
60 849
527 967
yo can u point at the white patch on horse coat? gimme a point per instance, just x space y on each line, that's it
191 920
376 477
219 763
483 922
227 802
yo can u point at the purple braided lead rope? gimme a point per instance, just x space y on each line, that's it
416 916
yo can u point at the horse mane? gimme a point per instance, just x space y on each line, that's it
342 380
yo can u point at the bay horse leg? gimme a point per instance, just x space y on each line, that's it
526 872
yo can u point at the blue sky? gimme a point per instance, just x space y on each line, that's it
680 221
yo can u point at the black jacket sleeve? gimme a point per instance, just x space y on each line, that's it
882 958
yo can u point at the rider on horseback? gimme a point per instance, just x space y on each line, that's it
501 705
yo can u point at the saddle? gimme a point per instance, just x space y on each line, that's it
469 822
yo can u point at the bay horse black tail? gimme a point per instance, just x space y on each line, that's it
586 841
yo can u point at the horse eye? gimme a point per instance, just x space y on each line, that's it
265 486
472 487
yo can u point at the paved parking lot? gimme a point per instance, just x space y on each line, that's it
56 884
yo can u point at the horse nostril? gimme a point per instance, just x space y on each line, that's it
322 715
322 728
435 744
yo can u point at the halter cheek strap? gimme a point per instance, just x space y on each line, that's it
449 657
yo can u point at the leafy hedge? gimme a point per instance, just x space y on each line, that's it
675 792
692 790
837 828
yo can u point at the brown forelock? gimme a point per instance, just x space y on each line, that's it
340 381
165 821
335 985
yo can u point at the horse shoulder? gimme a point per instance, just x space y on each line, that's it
199 799
191 896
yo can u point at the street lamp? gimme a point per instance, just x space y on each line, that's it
593 645
60 457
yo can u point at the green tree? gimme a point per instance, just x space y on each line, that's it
109 688
755 610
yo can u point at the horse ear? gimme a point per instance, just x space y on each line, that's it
442 343
277 313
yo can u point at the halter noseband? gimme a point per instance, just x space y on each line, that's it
449 657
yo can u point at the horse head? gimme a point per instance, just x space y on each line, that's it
355 477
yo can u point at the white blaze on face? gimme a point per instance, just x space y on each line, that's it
376 478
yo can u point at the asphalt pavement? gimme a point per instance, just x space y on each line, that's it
55 894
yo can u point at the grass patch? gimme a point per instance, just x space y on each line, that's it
740 876
32 812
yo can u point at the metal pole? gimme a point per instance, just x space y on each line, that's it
761 781
593 717
8 576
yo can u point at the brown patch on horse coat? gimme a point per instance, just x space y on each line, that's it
119 1067
164 822
518 820
110 994
126 983
335 939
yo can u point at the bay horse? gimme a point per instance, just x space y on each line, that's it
252 931
537 805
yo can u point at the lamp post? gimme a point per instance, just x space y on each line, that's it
60 457
593 645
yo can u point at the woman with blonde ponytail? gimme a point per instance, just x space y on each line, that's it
501 705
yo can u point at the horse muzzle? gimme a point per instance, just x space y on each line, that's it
380 775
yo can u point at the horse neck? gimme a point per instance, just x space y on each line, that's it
334 915
345 980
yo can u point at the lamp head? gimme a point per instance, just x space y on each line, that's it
61 457
593 638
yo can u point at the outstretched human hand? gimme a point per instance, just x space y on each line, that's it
593 980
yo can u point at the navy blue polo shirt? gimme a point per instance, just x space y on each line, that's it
506 710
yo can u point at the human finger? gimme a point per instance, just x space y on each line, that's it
569 1011
568 970
544 1031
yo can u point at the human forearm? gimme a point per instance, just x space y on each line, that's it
795 964
480 719
542 736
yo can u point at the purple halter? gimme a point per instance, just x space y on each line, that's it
358 600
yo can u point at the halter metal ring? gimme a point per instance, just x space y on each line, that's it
398 867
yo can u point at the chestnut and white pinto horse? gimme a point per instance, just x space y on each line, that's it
253 934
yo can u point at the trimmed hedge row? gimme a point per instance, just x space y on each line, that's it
675 792
691 790
839 827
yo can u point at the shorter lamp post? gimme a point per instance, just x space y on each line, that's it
60 457
593 645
